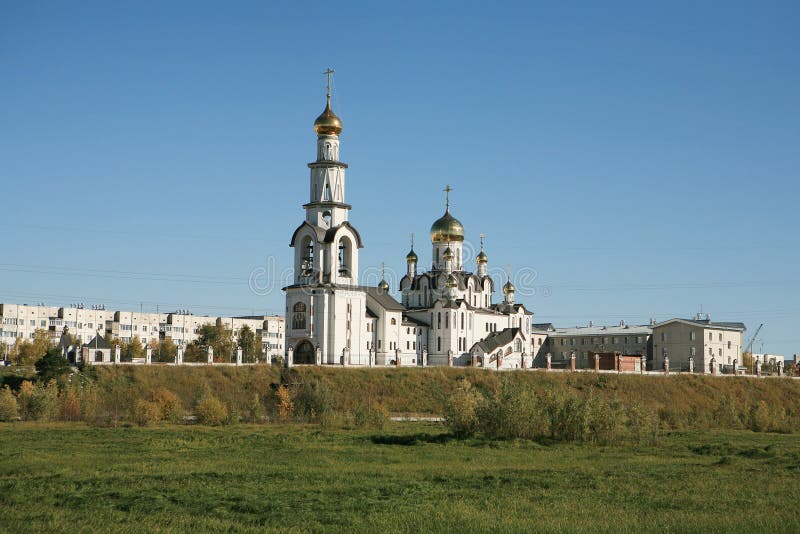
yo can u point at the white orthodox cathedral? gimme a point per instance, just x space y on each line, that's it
446 317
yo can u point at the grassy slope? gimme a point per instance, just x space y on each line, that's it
425 390
68 477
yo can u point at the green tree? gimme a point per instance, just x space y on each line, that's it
9 411
195 353
133 349
164 351
28 352
52 365
247 340
219 337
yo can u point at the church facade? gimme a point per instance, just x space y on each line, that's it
447 316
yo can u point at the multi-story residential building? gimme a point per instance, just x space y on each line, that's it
707 343
127 325
81 322
22 321
561 343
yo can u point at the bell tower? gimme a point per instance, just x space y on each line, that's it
325 306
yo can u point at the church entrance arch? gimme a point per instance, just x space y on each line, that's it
305 353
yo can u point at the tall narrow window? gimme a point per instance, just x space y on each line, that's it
299 316
308 259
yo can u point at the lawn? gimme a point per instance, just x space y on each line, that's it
407 477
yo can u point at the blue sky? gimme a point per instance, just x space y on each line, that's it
630 159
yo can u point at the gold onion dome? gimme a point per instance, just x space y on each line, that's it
508 287
482 257
447 228
328 123
451 281
383 285
411 256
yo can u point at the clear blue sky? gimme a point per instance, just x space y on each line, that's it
641 157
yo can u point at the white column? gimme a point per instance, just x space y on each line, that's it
210 354
238 355
117 354
148 355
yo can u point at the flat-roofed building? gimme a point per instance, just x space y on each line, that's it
708 343
561 343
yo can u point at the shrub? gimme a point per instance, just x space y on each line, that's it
642 424
69 407
146 412
312 400
38 402
211 411
285 404
461 410
169 405
9 411
372 415
254 411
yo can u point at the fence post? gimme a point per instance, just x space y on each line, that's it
691 364
666 365
549 361
572 362
596 362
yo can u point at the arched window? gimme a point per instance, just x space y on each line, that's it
299 316
439 344
518 345
394 321
307 265
345 256
439 320
462 320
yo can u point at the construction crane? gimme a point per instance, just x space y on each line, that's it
749 348
753 339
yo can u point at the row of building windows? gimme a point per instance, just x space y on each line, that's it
598 340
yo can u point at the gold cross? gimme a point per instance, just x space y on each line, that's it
447 195
328 72
482 236
412 241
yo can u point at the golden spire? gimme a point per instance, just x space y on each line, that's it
447 228
412 256
328 123
482 257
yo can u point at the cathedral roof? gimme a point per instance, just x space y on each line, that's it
495 340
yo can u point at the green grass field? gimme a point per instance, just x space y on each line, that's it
407 477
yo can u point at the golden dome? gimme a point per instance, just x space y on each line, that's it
328 123
451 281
482 257
411 256
508 287
447 228
383 285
